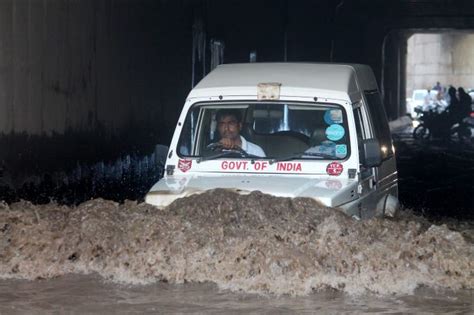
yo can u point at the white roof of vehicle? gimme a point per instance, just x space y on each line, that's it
328 80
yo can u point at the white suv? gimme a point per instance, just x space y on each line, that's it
286 129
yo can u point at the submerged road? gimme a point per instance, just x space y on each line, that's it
436 178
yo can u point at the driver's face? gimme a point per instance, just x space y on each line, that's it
229 127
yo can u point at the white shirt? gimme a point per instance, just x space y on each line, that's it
251 148
428 99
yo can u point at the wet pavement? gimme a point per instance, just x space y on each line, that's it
435 176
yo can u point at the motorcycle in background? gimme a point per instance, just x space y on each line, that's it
436 123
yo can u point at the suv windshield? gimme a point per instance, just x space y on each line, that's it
280 131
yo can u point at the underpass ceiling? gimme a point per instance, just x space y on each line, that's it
407 8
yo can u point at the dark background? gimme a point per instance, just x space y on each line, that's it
88 88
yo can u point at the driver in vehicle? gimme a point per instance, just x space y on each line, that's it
229 125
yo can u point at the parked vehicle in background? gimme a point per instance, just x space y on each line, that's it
418 100
306 130
471 94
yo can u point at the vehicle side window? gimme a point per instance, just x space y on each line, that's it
362 133
188 134
359 128
379 122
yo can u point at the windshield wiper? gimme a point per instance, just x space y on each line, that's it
302 154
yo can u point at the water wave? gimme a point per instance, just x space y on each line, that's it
253 243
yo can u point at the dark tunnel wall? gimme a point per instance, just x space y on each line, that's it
89 80
83 65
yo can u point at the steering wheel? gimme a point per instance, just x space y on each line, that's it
214 146
217 146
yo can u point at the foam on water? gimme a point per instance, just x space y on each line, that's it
254 243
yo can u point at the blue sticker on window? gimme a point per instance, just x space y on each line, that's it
327 147
333 116
335 132
341 150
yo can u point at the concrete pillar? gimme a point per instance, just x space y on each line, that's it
402 50
35 68
22 112
393 74
6 67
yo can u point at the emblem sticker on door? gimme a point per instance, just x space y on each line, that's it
185 165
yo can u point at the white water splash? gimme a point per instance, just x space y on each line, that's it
255 243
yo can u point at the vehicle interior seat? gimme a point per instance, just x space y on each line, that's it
276 144
317 137
247 132
282 143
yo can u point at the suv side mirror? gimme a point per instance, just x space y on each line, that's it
371 153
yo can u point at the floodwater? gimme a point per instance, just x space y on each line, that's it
81 294
223 252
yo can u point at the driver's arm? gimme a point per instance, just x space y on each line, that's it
228 144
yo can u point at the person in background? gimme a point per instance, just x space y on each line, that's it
454 107
440 103
428 102
438 87
447 96
440 97
465 101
